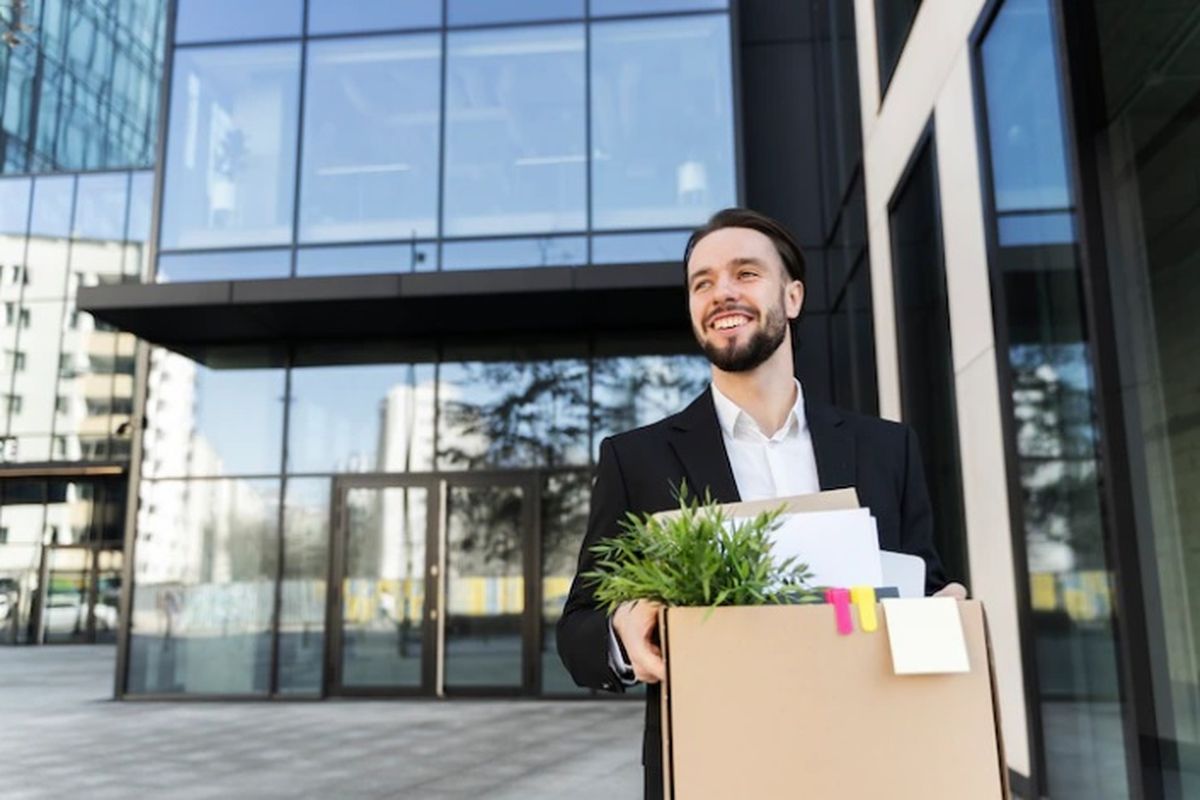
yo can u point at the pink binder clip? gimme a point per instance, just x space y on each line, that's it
840 600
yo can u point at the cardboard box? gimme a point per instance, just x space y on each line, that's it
772 702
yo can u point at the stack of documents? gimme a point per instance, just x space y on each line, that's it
838 541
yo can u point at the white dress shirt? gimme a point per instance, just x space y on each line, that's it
779 465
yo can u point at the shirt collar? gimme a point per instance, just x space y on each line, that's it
734 420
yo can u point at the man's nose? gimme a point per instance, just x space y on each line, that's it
725 289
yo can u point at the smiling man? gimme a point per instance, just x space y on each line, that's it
752 435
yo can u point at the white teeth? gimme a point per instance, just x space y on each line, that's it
730 322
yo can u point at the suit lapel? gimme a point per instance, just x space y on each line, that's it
695 436
833 445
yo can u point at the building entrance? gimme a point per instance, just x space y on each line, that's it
435 585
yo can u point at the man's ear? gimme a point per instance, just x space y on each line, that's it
793 297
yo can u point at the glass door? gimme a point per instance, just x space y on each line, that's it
430 592
383 637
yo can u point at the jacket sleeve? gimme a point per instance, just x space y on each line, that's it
916 515
583 633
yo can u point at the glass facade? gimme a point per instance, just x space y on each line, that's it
1146 137
1047 361
79 84
460 147
360 451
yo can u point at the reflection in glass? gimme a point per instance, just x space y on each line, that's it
206 421
632 391
14 209
370 259
137 253
100 207
224 266
515 154
927 378
37 363
214 20
478 12
383 589
547 251
231 155
601 8
361 418
45 272
485 586
371 125
565 497
662 122
512 414
1053 408
66 616
204 587
305 566
338 16
109 565
639 248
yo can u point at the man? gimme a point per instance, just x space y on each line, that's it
752 435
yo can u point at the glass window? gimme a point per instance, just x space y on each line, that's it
631 391
1048 357
223 266
217 20
137 252
231 146
98 232
600 8
639 248
14 208
477 12
212 421
367 259
37 362
927 384
515 154
361 418
371 126
45 273
204 587
893 21
512 414
305 567
565 497
546 251
338 16
662 122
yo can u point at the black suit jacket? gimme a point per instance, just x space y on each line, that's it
639 471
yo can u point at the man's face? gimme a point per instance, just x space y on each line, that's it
740 297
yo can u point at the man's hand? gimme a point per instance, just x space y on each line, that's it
955 590
635 623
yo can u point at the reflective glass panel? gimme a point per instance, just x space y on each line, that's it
98 249
204 587
65 616
217 20
231 146
338 16
637 248
232 265
305 567
384 588
49 228
600 8
565 498
36 362
631 391
662 122
1053 406
366 259
14 208
546 251
205 421
476 12
1147 153
515 155
512 414
485 586
137 252
893 21
371 127
361 418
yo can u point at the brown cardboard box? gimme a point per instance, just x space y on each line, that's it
771 702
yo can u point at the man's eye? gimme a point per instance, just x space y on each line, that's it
748 273
699 286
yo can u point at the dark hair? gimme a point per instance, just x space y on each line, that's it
785 245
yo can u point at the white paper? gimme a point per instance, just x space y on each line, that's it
905 572
841 548
926 636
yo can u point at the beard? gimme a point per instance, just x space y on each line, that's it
762 345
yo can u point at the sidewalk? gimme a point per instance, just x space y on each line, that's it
63 736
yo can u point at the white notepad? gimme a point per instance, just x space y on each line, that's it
926 636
